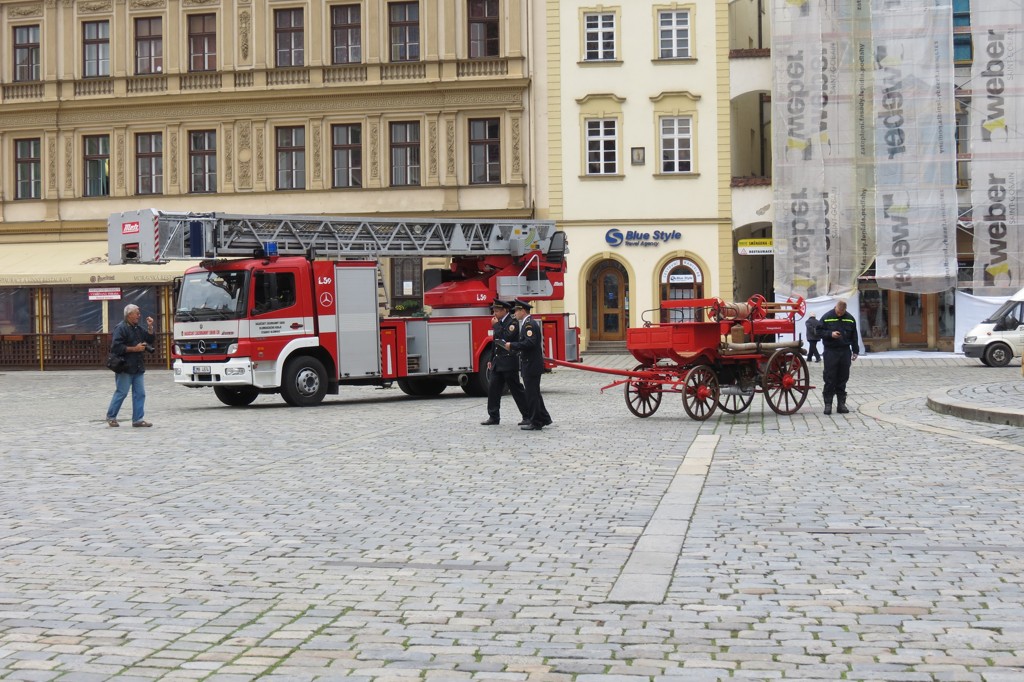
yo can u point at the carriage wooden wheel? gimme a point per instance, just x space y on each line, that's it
643 396
785 381
700 392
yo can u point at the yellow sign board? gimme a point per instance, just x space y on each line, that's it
755 247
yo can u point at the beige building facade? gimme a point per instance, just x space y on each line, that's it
634 159
322 107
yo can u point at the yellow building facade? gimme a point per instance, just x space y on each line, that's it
346 108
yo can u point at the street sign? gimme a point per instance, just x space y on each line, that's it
104 293
755 247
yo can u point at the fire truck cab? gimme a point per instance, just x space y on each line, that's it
250 320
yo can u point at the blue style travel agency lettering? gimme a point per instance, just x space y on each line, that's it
616 237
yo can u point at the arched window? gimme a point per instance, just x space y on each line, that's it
681 279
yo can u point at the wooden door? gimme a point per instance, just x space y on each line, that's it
609 289
913 314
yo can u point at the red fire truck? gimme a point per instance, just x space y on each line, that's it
293 304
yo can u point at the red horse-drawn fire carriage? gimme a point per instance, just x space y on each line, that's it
718 355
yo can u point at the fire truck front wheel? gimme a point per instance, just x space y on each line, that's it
304 382
236 397
477 383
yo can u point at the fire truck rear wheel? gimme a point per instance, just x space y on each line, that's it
304 382
236 397
421 387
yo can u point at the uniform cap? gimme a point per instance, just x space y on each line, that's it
519 303
498 303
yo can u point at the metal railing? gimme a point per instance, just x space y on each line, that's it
69 351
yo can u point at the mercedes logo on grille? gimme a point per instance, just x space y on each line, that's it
202 347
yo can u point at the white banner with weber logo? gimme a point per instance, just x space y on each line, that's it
798 180
850 239
997 145
915 152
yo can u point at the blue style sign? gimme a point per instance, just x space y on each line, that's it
616 237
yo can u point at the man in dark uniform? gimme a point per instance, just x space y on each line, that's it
530 347
838 333
504 365
811 325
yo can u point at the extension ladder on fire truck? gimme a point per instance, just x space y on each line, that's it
152 236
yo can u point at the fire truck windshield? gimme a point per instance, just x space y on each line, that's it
212 296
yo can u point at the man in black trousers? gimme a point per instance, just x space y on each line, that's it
838 332
504 365
530 347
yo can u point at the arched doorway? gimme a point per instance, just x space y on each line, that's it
608 301
681 278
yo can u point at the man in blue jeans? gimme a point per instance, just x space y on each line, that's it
131 341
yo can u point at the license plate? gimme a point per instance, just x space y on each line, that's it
201 369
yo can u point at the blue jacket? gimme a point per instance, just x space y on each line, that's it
126 335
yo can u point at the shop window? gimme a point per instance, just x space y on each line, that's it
147 298
874 313
407 277
681 280
16 311
74 313
406 286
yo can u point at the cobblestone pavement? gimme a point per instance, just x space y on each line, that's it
382 538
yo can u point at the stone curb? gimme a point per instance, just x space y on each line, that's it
943 403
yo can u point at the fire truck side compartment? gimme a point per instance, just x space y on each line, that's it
451 347
358 334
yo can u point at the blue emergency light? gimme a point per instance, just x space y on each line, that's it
270 248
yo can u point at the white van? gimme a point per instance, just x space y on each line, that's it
1000 338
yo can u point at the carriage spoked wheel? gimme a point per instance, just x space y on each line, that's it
700 392
643 396
734 403
785 381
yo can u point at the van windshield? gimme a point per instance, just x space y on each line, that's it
999 314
